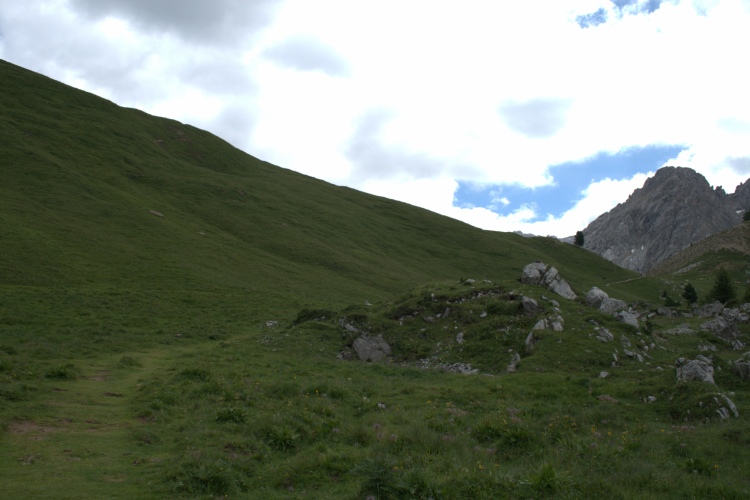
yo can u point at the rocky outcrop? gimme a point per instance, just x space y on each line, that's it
700 369
611 306
539 273
371 348
595 297
674 208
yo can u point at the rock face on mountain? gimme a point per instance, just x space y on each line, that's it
674 208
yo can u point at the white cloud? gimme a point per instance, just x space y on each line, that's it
405 99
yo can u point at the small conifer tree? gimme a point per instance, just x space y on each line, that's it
723 290
579 239
690 294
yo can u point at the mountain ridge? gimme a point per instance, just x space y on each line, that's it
674 209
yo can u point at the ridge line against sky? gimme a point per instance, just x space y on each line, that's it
534 116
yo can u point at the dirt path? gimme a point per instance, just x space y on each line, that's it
81 438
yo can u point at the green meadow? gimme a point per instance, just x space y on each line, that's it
177 320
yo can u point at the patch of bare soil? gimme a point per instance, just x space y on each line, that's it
34 430
101 376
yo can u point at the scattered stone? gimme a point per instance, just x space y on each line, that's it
372 349
595 297
680 329
514 362
665 311
540 325
530 306
272 324
625 341
530 341
650 399
463 368
603 335
154 212
741 368
603 374
483 315
557 323
381 406
460 337
607 398
724 411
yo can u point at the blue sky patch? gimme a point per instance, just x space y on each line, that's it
593 19
570 180
648 7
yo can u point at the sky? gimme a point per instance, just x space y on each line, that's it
534 116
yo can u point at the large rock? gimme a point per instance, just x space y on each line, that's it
730 314
721 328
371 348
611 306
710 310
674 208
627 317
699 370
539 273
595 297
741 368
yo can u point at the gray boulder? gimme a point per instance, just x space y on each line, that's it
371 348
514 361
610 305
539 273
554 323
627 317
741 368
721 328
530 342
595 297
695 369
665 311
604 335
724 411
730 314
709 310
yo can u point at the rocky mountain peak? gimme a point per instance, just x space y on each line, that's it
674 209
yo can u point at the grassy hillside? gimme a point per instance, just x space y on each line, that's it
172 317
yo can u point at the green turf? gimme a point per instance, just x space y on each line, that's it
171 315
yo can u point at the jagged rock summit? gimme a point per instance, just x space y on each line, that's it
674 208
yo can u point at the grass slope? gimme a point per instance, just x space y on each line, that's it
142 259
